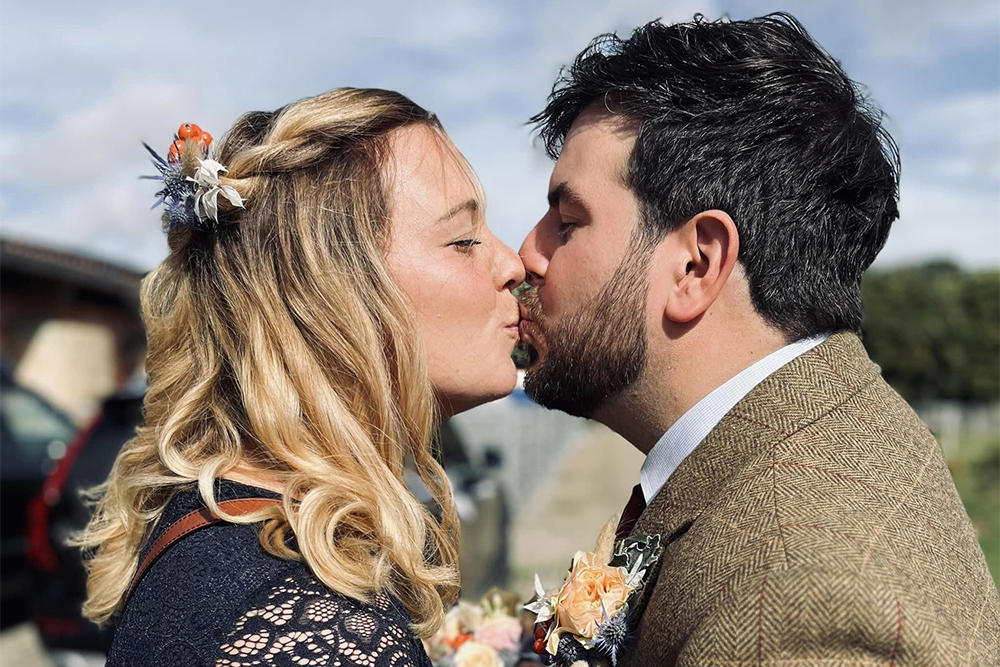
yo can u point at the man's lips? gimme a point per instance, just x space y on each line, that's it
525 315
513 325
527 327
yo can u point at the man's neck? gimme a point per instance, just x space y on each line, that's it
677 377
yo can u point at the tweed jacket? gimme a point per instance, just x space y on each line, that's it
817 524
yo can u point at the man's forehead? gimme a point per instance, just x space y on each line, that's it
606 120
599 143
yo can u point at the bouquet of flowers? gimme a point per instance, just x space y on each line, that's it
587 620
487 634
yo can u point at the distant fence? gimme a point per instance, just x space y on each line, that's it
953 422
530 439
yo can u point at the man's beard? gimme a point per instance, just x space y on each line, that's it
596 353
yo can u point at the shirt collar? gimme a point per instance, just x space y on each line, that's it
688 431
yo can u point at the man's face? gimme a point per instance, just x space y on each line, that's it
585 317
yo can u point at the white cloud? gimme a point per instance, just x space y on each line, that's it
936 222
965 131
100 138
924 30
85 170
82 84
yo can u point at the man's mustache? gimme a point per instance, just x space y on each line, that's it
531 305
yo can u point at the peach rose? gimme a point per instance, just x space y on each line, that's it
477 654
578 608
500 632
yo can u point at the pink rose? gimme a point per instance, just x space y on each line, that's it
500 632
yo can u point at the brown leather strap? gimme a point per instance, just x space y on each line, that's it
189 523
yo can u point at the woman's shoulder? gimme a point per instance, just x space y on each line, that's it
222 561
185 602
217 597
300 621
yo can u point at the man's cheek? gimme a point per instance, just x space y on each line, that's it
556 296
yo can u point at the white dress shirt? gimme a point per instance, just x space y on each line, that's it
688 431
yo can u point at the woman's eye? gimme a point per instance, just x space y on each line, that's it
466 243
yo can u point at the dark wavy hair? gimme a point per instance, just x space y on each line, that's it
756 119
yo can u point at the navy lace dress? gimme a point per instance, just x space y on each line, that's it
216 598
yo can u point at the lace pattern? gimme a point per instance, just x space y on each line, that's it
217 598
300 622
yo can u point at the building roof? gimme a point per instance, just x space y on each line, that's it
37 261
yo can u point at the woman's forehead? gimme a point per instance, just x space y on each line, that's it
426 167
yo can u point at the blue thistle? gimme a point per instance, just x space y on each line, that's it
569 651
177 194
613 635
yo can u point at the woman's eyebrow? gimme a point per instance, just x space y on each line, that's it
470 205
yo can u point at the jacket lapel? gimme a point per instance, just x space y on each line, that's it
791 398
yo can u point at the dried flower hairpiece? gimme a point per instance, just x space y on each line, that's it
191 182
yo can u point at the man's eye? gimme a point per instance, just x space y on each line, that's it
466 243
565 228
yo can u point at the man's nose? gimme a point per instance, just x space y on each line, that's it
534 261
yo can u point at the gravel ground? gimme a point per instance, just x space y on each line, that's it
588 485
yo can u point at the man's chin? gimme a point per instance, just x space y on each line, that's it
533 344
534 359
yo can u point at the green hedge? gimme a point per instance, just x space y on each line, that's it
935 331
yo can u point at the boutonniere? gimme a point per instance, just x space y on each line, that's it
589 617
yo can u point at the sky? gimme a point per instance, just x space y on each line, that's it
82 84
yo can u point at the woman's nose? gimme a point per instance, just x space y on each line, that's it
511 268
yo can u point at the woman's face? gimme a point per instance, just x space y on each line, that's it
458 275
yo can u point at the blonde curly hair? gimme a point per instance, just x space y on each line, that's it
279 342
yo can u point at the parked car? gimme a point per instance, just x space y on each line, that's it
60 511
33 436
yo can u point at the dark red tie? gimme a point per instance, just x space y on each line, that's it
636 504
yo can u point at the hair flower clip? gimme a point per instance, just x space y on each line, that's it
208 187
191 180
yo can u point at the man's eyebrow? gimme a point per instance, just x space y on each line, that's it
564 193
470 205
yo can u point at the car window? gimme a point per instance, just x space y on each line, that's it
31 427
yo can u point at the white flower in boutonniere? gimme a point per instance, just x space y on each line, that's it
544 606
588 618
208 187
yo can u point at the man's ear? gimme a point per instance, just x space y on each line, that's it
704 251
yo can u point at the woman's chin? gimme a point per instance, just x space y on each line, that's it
498 385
